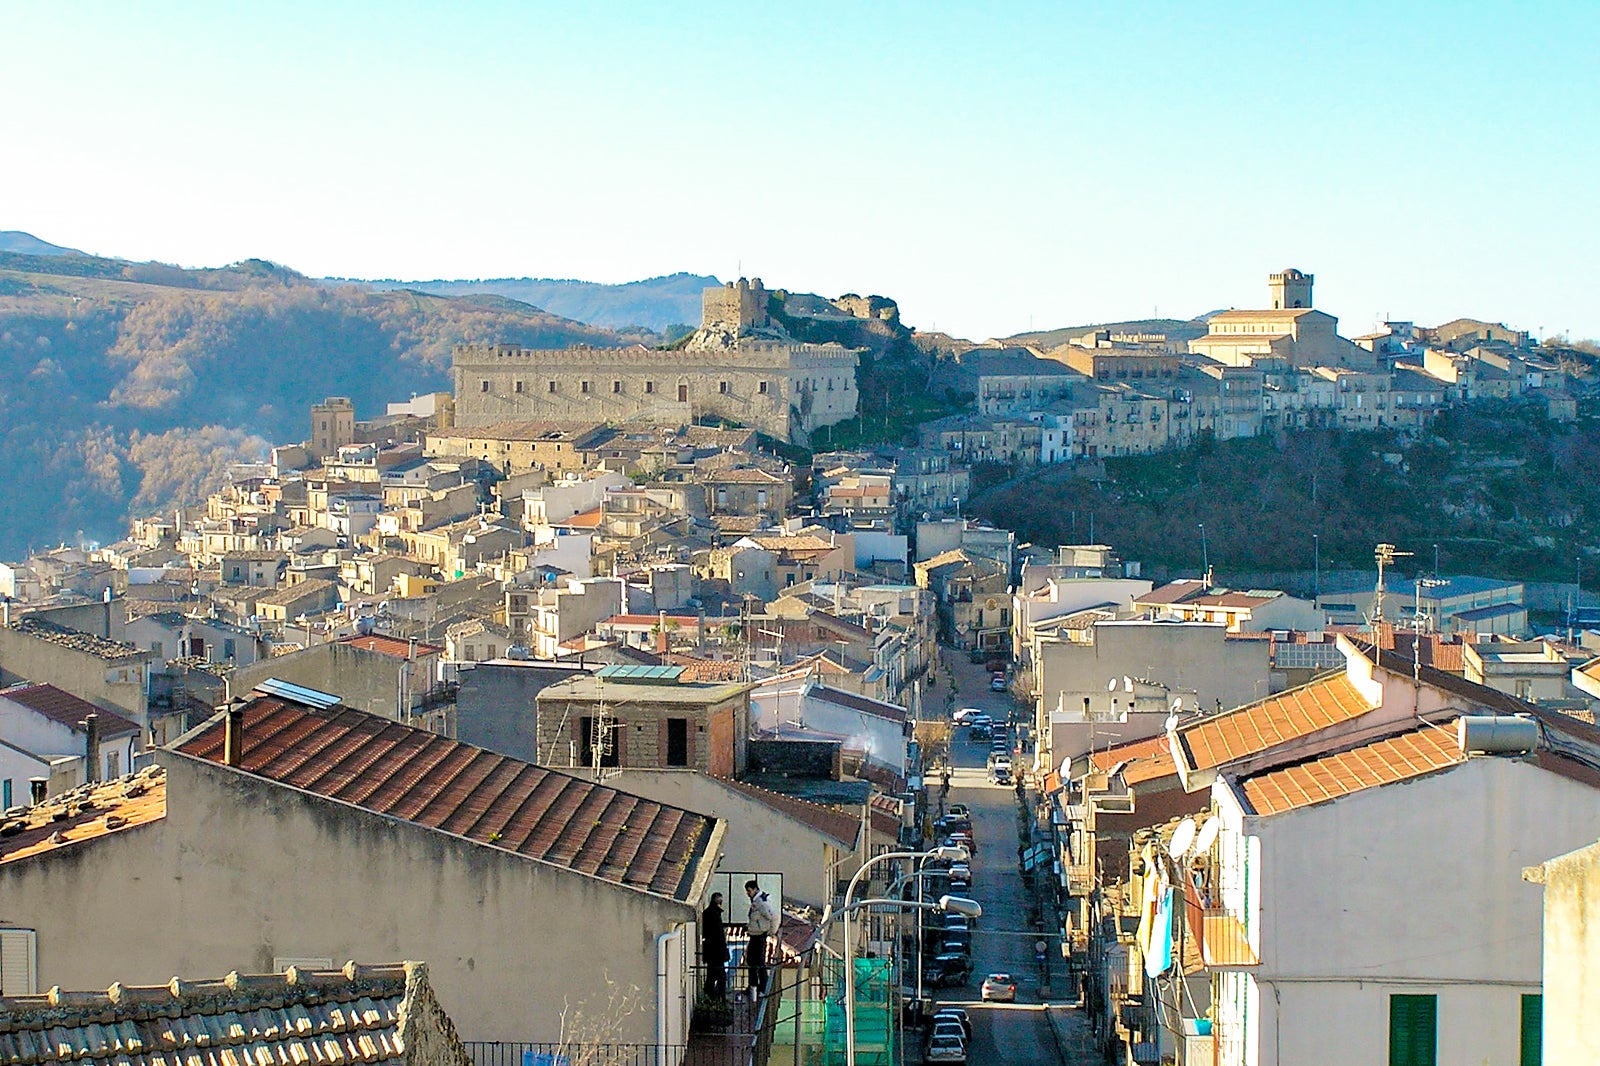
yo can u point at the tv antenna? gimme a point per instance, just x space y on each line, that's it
1386 554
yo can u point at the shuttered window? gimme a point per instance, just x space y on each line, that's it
1413 1030
1532 1030
19 975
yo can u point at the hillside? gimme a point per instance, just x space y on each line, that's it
128 387
14 240
655 303
1502 491
1179 331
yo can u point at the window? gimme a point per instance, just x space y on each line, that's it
113 765
762 388
227 648
683 394
1532 1053
551 387
1413 1030
5 793
19 972
649 387
156 650
677 742
483 386
583 387
722 387
616 387
517 387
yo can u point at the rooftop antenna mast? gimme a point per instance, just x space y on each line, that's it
1386 554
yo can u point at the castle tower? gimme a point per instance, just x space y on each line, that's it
1290 289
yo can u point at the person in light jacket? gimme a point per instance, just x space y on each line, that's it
763 923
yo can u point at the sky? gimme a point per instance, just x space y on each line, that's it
992 167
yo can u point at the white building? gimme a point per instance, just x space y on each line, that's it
1368 904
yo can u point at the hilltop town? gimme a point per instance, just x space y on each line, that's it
510 680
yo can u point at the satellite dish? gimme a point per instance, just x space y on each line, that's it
1182 839
1111 686
1066 764
1127 683
1177 705
1207 837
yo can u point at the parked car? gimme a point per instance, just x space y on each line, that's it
980 731
1002 775
952 823
960 810
956 944
957 1015
954 922
1000 766
946 1049
999 987
946 1027
997 683
944 971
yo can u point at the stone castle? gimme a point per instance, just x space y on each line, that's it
740 365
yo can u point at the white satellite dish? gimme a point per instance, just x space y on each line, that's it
1127 683
1207 837
1182 839
1177 705
1066 764
1111 686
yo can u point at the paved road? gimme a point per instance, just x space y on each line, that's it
1004 940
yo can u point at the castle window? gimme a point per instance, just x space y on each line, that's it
616 386
762 388
649 387
552 387
519 386
722 387
584 387
683 394
483 386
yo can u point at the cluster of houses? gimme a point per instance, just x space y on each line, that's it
1268 837
1254 371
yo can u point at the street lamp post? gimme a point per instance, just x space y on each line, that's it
952 853
1316 567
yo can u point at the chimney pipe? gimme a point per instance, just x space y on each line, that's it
233 736
91 729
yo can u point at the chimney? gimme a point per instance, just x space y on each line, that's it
661 635
233 735
37 786
91 755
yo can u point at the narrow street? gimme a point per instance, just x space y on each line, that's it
1005 937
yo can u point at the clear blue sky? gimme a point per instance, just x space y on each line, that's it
990 166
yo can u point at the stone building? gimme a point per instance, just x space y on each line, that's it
1291 332
737 367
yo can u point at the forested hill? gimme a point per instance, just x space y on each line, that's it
128 387
670 304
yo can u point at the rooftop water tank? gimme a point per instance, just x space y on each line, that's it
1496 734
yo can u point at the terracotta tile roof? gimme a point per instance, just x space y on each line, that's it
360 1015
1255 727
1400 758
410 774
1179 591
865 704
697 669
842 827
86 813
1144 760
392 646
66 709
586 520
650 620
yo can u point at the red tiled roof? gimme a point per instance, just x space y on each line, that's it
842 827
416 776
865 704
1400 758
1256 727
1144 760
66 709
650 619
697 669
387 645
586 520
1173 592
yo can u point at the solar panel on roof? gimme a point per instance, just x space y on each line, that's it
637 673
299 693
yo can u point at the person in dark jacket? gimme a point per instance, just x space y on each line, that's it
714 948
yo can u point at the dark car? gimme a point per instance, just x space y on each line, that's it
945 971
956 942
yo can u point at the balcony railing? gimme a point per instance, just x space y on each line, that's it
1224 942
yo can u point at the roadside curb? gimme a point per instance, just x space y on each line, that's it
1056 1035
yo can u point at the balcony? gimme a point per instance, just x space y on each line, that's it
1224 943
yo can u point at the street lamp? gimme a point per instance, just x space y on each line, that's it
959 904
1316 567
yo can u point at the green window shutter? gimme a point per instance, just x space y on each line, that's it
1532 1030
1413 1030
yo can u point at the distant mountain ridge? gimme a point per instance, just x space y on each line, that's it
659 304
14 240
1176 329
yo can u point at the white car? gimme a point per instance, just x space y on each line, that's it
965 715
999 987
946 1049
